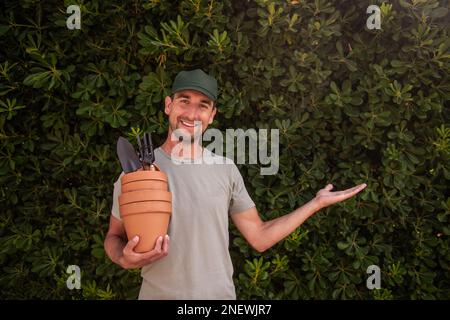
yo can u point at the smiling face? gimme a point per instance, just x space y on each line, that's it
190 112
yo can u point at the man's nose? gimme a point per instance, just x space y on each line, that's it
192 114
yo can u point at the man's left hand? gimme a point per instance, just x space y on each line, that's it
325 197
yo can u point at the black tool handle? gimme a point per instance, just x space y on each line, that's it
149 148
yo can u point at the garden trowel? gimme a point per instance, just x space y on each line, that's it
127 156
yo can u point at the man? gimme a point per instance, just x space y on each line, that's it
198 264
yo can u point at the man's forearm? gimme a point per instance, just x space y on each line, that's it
277 229
114 247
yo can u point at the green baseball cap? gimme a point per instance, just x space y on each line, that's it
196 80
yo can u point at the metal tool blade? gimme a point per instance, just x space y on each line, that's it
127 156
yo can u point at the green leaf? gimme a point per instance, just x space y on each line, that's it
343 245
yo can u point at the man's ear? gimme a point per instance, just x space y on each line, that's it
167 103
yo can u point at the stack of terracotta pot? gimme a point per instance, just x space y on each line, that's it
145 206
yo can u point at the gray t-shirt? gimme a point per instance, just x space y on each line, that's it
198 265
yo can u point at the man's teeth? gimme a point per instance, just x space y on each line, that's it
188 124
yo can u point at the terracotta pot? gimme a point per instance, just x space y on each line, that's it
144 195
144 175
145 184
145 206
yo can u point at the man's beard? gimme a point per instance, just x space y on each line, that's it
183 136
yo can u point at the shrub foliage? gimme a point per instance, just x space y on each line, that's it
352 105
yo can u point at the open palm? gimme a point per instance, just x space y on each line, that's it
325 198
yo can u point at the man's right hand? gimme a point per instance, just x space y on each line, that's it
131 259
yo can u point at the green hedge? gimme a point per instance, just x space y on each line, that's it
352 105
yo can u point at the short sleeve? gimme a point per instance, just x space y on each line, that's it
240 199
116 193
